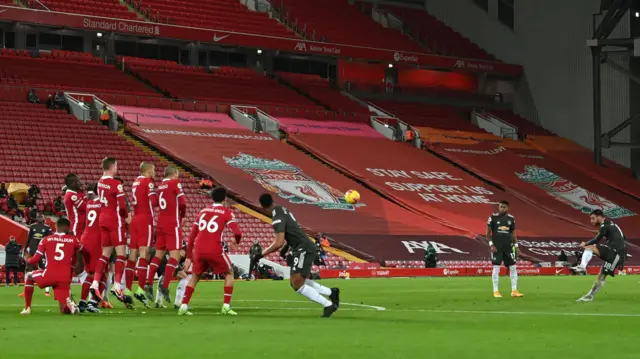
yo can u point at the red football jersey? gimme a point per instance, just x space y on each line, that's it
114 207
92 228
207 232
60 251
75 203
144 199
172 204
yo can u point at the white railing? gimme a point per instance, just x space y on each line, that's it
241 116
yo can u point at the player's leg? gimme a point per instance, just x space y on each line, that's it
198 269
588 253
510 262
28 291
300 270
182 286
496 261
143 264
612 261
103 262
116 288
333 293
62 294
170 269
155 262
130 268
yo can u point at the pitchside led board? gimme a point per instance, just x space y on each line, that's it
438 203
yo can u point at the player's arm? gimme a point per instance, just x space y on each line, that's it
237 233
153 196
68 207
279 225
81 204
596 239
514 236
122 203
28 244
192 239
488 235
36 257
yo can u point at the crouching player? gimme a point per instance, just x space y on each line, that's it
61 250
205 249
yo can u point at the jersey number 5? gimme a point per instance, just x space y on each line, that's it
59 253
211 227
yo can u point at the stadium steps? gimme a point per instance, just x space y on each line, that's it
154 153
132 9
148 83
302 93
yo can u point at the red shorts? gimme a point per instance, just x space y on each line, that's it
219 263
113 237
141 234
61 289
169 239
91 253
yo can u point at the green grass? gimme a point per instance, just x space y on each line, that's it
424 318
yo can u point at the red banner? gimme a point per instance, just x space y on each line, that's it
146 29
444 272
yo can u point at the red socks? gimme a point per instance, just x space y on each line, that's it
188 292
169 270
142 272
129 272
227 294
153 268
102 268
84 294
119 270
28 292
101 287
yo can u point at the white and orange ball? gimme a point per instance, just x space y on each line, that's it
352 196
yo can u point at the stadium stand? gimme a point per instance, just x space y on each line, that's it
211 14
61 137
523 126
338 22
437 116
320 89
230 85
64 70
106 8
435 35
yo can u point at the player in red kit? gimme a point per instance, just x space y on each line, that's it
112 219
205 249
75 203
60 251
145 199
91 250
173 207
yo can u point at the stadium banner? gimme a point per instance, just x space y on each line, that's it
301 125
580 158
453 272
10 228
250 164
144 116
432 187
543 181
229 38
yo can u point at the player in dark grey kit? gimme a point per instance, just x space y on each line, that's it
501 234
304 253
612 253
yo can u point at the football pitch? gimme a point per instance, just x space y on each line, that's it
378 318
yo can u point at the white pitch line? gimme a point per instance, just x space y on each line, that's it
304 301
573 314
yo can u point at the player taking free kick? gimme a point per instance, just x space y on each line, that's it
145 200
173 207
304 253
613 253
60 250
113 217
205 249
501 234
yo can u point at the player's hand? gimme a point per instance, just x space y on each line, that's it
233 246
583 244
518 253
493 249
128 219
187 264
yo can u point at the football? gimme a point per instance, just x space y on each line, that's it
352 197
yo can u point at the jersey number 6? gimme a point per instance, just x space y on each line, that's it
211 227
